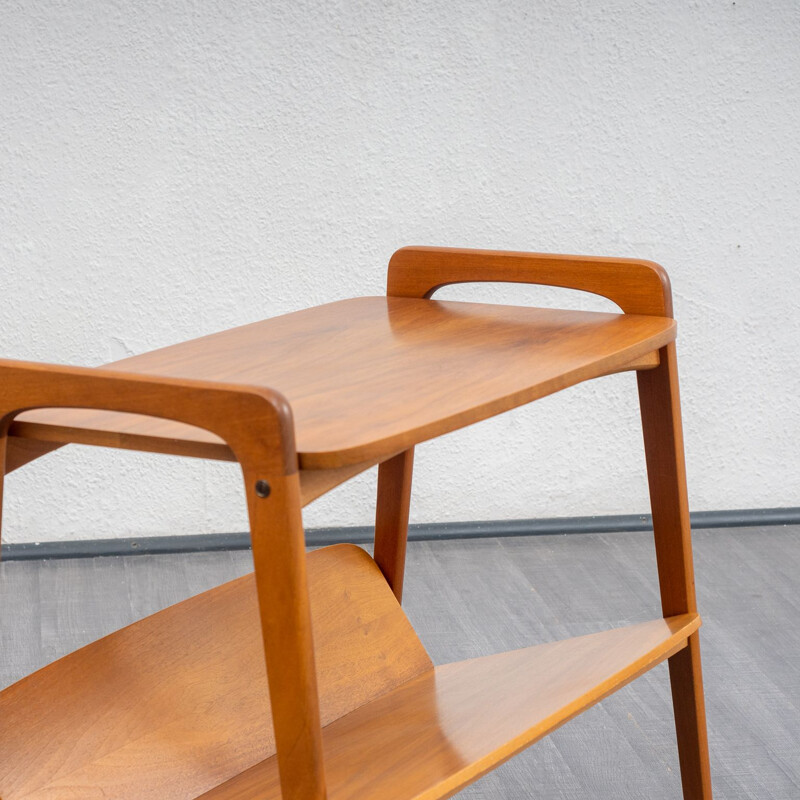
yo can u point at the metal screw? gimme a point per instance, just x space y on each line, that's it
263 488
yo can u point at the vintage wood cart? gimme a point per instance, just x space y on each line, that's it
180 704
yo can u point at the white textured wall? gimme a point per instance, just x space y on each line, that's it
172 169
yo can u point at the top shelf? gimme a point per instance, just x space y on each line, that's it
372 376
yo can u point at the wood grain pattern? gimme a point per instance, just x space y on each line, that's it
445 364
666 471
229 413
357 383
177 703
257 426
471 596
255 423
636 286
441 731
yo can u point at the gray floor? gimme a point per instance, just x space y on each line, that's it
483 596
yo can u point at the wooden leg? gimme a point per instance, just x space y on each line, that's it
21 451
391 518
3 451
14 453
686 679
280 568
666 472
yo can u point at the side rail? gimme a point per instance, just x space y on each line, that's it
637 287
257 425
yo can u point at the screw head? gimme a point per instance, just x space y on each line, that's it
263 488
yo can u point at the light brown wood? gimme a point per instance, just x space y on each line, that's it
254 422
3 458
316 482
177 703
688 701
257 426
445 364
23 451
234 411
391 518
435 734
636 286
666 471
194 444
278 539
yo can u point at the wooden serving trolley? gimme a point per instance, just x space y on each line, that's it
180 705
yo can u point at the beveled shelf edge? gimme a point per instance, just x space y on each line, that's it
313 482
61 434
685 626
28 440
316 482
206 647
387 776
642 356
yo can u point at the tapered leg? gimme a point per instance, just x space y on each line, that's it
280 570
391 518
3 452
666 472
686 679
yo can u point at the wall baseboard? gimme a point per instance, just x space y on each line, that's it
315 537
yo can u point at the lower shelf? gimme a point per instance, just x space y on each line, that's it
446 728
176 705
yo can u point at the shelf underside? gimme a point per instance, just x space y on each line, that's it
177 705
369 377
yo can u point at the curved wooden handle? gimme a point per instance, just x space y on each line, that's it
256 423
637 287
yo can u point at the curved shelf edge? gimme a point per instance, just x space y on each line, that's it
444 729
424 367
31 440
178 702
